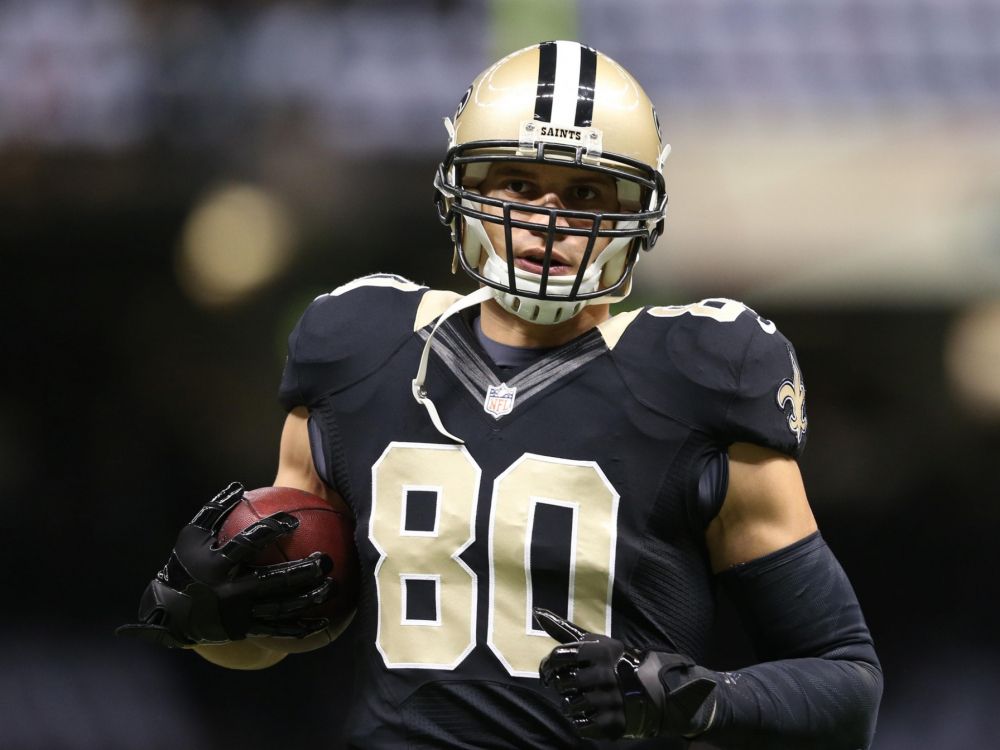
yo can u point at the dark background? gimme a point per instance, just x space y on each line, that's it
128 397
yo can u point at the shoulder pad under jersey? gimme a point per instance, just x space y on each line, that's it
349 333
719 367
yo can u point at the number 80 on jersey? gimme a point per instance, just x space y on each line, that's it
427 557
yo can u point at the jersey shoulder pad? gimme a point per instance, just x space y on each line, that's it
345 335
721 367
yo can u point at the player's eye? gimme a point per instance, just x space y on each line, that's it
518 187
581 193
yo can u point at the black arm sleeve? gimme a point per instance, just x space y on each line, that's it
820 683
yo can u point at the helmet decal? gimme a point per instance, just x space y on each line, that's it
465 100
567 73
585 89
546 81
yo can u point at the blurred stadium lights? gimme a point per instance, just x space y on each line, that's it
825 151
382 74
852 212
236 240
74 74
972 359
817 57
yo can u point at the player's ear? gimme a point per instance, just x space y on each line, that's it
557 627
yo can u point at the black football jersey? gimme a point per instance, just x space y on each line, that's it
574 490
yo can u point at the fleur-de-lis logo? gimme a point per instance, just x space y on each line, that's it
793 393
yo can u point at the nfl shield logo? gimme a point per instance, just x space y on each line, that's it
499 400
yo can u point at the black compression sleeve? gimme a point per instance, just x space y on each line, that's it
821 681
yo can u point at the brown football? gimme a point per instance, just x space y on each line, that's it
322 528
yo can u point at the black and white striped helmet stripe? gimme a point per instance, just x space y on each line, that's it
567 72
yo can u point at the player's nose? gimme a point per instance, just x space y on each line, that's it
550 200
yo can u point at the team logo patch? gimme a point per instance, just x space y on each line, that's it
792 400
499 400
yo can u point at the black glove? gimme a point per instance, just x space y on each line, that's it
209 594
609 691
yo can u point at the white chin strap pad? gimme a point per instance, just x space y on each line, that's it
545 312
606 270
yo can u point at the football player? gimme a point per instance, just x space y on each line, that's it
547 496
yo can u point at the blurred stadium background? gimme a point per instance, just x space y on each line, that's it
178 179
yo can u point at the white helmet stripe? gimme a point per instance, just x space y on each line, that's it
567 72
567 83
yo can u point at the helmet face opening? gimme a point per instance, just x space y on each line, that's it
527 109
639 229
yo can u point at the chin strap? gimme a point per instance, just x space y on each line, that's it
419 391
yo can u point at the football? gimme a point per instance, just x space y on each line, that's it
322 528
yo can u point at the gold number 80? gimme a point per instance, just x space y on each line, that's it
433 555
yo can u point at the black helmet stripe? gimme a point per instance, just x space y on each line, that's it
567 72
546 81
585 89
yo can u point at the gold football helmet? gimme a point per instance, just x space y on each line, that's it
566 104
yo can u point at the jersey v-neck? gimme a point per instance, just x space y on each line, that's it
531 371
510 359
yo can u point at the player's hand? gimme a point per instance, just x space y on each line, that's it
211 594
607 690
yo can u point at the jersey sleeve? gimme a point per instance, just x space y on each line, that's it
346 335
768 405
719 367
291 392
